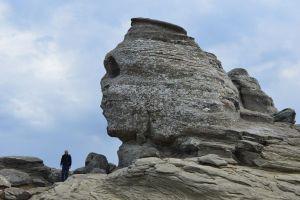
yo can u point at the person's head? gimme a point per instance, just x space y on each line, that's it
66 152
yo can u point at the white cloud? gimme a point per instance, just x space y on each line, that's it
29 112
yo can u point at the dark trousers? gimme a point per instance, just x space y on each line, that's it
64 173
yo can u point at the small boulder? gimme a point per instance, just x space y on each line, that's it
94 163
16 194
95 160
16 177
287 115
4 183
212 159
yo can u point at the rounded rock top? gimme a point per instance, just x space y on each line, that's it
162 24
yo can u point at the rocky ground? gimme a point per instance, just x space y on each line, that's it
171 178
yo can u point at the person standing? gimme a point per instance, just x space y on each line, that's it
65 163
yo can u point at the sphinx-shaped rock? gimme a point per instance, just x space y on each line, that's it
165 97
156 87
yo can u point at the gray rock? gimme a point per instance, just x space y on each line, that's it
212 159
16 177
287 115
98 171
130 151
169 179
95 160
4 183
32 166
251 95
81 170
16 194
156 86
94 163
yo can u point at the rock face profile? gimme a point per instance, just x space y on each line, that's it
156 91
189 129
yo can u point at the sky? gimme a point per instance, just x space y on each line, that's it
52 51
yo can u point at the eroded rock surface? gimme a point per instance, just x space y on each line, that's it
155 89
22 170
154 178
163 96
189 130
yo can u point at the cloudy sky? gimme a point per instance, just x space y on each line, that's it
51 55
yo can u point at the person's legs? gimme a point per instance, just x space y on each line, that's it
64 173
67 173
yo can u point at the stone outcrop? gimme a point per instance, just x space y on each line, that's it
251 96
22 171
287 115
163 96
94 163
155 90
170 178
21 177
189 129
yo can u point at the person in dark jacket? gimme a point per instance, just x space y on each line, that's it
65 163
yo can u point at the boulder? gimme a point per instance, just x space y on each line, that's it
4 183
16 177
16 194
94 163
32 166
212 159
251 96
94 160
287 115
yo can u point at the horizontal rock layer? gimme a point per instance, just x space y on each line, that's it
154 178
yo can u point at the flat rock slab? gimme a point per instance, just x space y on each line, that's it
176 179
16 194
212 159
16 177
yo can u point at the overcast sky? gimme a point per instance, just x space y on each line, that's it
51 55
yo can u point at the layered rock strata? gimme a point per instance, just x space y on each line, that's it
163 96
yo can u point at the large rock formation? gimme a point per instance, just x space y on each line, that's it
156 90
165 97
189 130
